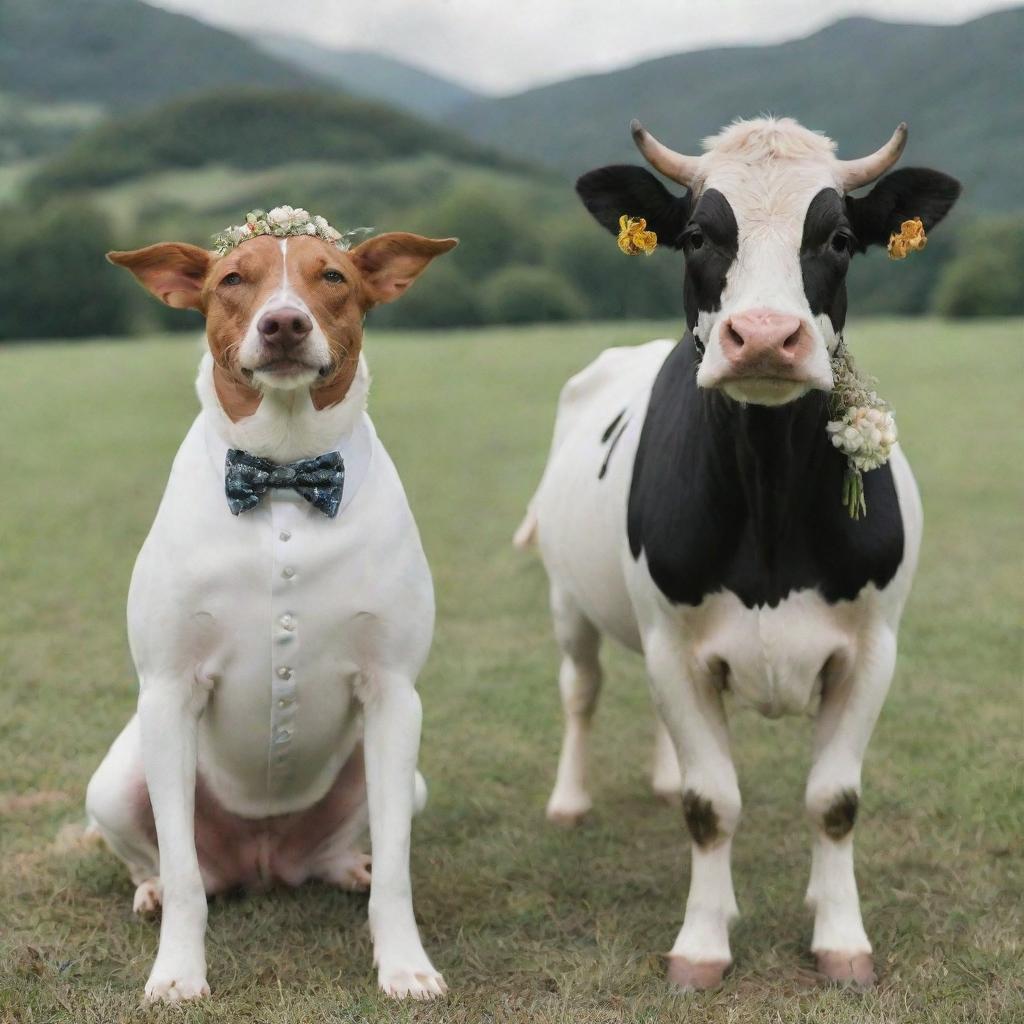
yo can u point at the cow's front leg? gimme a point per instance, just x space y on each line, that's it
849 709
168 716
691 707
392 741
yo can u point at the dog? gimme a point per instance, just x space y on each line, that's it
280 609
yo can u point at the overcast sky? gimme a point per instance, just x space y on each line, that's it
506 47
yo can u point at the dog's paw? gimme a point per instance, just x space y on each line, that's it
351 871
148 897
175 986
418 982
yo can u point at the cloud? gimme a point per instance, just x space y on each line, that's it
513 46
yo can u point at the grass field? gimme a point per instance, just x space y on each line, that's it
528 923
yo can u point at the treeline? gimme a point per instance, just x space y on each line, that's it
515 265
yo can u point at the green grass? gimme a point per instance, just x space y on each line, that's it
528 923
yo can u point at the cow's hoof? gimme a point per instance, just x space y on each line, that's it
568 813
147 899
688 975
847 968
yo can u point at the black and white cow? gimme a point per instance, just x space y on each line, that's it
692 509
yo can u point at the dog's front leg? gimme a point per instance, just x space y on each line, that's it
168 716
392 740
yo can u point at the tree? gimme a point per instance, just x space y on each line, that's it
986 278
524 295
54 281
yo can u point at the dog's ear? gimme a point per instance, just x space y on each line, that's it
389 263
172 271
610 192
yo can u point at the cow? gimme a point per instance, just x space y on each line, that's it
692 506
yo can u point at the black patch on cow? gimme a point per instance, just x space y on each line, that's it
710 244
825 251
904 194
610 192
700 817
746 498
611 448
611 427
839 819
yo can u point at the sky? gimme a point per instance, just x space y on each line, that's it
501 47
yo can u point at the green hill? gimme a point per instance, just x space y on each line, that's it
123 54
958 87
250 129
372 75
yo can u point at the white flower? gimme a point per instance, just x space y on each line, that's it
865 435
281 222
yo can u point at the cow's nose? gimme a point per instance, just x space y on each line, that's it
763 339
285 327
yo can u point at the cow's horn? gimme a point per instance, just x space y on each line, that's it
676 166
855 173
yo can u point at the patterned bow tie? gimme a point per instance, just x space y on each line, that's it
320 481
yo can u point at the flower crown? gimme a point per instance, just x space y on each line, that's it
281 222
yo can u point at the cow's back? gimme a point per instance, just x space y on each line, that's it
579 510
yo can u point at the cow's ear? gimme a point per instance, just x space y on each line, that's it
903 195
610 192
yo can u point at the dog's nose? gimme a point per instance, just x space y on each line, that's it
765 340
284 328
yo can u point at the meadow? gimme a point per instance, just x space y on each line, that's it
527 922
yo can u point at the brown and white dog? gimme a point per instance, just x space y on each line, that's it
277 650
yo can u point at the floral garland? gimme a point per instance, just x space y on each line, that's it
281 222
862 428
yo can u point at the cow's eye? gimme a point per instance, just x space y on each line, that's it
840 242
334 276
232 278
694 238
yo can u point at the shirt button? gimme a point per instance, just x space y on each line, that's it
285 535
287 572
284 672
283 734
288 622
285 702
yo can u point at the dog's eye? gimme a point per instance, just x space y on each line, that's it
840 242
232 278
334 276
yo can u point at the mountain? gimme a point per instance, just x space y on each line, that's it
957 86
122 54
371 75
251 129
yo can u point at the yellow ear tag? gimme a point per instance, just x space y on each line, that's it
634 238
910 239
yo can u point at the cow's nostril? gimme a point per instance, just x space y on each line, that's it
791 343
733 338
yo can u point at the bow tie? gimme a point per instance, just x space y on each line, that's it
320 481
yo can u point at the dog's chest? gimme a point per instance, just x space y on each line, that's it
280 613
